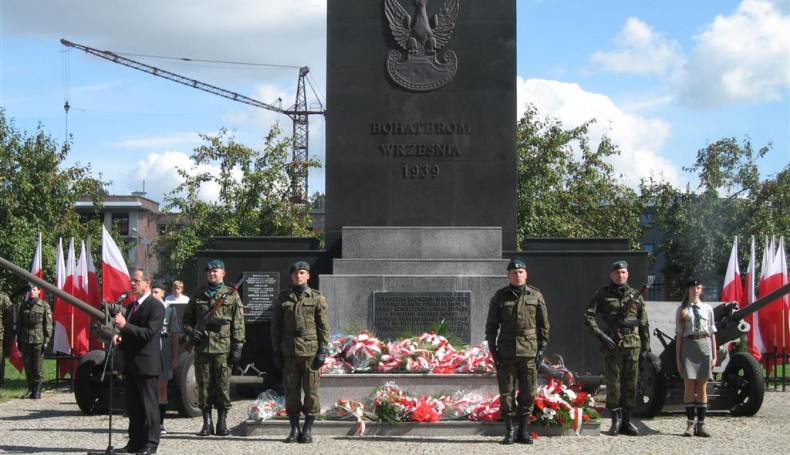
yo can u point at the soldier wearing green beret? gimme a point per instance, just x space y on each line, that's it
624 335
218 347
300 333
517 331
5 312
34 331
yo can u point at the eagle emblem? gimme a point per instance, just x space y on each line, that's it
419 68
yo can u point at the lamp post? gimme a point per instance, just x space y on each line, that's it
141 238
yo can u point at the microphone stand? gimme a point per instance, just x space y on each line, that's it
109 360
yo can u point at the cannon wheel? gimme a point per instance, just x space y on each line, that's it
744 378
87 384
186 396
652 390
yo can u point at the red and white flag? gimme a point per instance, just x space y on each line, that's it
773 326
732 291
63 312
753 339
81 319
115 274
94 294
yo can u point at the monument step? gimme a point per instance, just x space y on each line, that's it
463 267
361 242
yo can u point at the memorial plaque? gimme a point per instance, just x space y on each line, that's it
259 291
397 312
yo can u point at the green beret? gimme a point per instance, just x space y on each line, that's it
215 264
617 265
299 265
516 264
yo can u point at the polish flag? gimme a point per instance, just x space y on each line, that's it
81 319
753 339
773 325
732 291
63 313
94 294
115 274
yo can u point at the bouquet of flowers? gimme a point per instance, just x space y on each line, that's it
562 406
267 406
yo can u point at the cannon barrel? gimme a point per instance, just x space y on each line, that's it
759 303
65 296
728 317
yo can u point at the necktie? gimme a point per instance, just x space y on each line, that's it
697 322
134 308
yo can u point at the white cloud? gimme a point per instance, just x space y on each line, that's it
640 139
640 50
158 142
742 58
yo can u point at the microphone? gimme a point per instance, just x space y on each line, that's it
121 298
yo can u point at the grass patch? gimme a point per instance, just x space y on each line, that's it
15 384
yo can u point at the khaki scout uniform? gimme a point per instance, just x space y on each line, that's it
300 327
522 323
212 372
34 322
621 366
5 312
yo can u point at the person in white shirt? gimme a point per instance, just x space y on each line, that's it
695 354
177 296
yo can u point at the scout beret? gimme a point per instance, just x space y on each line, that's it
617 265
215 264
299 265
158 285
693 282
516 264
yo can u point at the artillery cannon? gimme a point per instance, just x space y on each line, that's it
741 386
92 388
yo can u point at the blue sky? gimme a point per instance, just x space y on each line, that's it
663 79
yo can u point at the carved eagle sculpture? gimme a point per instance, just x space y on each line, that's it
421 35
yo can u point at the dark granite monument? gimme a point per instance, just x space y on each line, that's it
421 124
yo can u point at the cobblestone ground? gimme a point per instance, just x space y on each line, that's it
54 425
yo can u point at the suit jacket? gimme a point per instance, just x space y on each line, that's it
140 338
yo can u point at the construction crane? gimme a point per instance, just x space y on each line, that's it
298 112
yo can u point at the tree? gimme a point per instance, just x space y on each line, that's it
253 199
567 189
38 194
698 228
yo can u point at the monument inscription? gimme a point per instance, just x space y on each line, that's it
396 312
259 291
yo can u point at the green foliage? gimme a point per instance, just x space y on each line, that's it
698 228
37 194
567 189
253 199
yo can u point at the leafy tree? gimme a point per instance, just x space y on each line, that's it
567 189
253 199
698 228
38 194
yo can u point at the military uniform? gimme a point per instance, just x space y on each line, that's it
300 329
212 372
34 329
5 309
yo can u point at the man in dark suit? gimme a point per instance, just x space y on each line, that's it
139 342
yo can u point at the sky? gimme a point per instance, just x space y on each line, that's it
662 79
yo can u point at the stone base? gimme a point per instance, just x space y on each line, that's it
280 427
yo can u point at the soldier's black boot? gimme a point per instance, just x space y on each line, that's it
617 421
29 390
295 433
36 391
307 430
523 436
626 427
208 424
222 422
509 431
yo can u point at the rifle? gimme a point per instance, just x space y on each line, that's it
616 333
199 333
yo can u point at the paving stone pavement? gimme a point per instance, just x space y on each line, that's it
55 425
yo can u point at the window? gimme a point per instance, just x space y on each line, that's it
120 221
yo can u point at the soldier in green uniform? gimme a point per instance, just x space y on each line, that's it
218 344
624 337
5 310
517 331
34 330
300 333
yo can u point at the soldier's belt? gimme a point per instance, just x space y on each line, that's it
626 330
525 332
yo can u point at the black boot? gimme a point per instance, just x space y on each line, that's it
509 431
617 421
222 424
29 389
36 391
162 412
295 433
307 430
208 424
626 427
523 436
